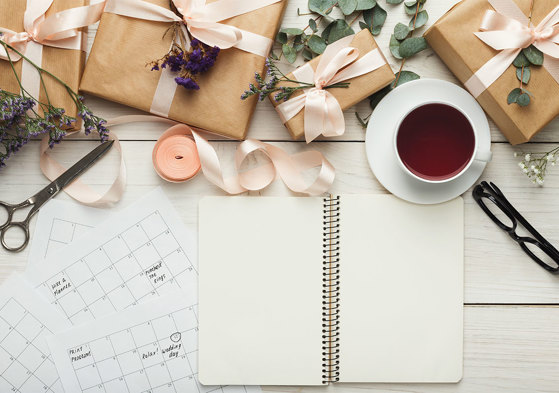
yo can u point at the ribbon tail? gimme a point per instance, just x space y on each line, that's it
215 34
490 72
335 122
315 114
64 24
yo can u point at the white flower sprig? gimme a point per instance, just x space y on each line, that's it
535 165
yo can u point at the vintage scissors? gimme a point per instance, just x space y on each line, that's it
39 199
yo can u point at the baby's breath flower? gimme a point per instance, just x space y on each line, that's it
527 157
535 165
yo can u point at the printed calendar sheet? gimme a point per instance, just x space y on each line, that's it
59 223
26 319
137 254
148 348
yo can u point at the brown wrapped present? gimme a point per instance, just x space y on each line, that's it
367 74
452 38
117 70
66 64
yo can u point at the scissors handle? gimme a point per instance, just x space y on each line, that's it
23 225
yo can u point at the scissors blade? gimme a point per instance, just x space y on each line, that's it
71 174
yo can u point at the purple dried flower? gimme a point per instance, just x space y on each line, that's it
187 83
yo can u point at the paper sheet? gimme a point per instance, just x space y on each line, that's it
139 253
58 224
150 347
26 319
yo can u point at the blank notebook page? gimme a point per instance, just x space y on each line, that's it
260 291
401 298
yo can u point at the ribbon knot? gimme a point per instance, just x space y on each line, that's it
507 29
322 111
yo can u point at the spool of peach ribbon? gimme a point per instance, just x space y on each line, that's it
175 156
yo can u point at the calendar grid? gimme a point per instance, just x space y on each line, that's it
17 373
100 282
154 359
56 222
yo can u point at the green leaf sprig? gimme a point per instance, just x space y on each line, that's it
309 42
530 56
403 45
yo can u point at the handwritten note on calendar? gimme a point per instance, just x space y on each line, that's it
149 348
140 253
26 365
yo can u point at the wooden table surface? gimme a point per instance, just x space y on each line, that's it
511 304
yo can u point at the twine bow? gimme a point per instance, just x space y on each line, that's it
507 29
59 30
323 113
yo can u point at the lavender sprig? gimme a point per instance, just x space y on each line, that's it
23 116
265 88
188 63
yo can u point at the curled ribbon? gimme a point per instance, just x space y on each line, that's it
290 168
338 63
507 29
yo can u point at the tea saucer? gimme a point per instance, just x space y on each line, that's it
380 135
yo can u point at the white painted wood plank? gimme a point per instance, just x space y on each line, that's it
496 270
266 124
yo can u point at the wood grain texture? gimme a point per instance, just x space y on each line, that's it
512 310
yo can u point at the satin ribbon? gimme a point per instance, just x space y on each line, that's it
507 29
202 20
60 30
338 63
290 168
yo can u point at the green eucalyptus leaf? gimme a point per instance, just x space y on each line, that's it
411 10
361 121
394 1
410 3
523 99
307 54
420 21
312 25
281 38
292 31
289 53
378 96
326 32
340 29
405 77
401 31
347 6
363 25
298 47
524 76
363 5
513 96
395 47
379 17
317 44
322 7
534 55
411 46
521 60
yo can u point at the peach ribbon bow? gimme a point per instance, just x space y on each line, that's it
507 29
60 30
338 63
202 20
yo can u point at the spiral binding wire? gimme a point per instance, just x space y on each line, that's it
331 290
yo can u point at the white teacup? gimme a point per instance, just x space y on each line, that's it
436 142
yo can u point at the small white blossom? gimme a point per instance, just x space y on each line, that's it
539 180
536 171
533 168
527 157
525 170
522 165
549 157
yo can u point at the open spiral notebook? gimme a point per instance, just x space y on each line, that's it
308 291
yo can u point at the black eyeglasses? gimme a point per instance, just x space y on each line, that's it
548 256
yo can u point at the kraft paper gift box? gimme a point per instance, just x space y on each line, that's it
66 64
359 88
116 70
452 38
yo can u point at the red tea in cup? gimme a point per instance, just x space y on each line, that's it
436 142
